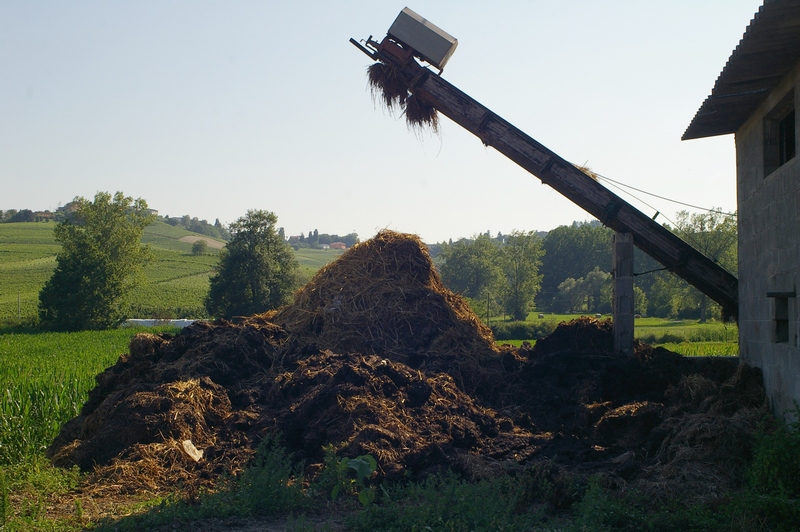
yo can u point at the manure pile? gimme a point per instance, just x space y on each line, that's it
376 356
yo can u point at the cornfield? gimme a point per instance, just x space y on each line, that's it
44 381
703 349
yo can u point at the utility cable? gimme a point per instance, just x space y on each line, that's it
717 211
685 236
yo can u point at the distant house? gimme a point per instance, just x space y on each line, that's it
338 245
44 216
325 246
69 208
755 98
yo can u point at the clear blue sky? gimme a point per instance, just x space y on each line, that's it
212 108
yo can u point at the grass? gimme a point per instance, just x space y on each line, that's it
533 498
659 330
703 349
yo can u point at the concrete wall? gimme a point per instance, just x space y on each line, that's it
769 255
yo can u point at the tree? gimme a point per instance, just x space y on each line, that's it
257 270
484 269
472 267
572 251
715 235
99 263
350 239
25 215
570 295
593 286
639 301
199 247
521 259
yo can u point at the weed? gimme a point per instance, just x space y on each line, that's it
348 476
448 503
775 469
604 508
545 482
270 484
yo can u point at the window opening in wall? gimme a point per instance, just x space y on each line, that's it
781 320
779 135
786 138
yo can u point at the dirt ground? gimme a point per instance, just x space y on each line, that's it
212 243
377 357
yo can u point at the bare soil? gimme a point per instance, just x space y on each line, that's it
377 357
216 244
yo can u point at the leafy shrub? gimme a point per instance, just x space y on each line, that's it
348 476
522 330
200 247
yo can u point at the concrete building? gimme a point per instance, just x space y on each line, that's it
755 98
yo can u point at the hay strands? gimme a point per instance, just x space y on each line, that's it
388 86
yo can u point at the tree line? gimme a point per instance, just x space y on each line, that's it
316 240
574 270
502 273
102 258
564 270
13 215
217 230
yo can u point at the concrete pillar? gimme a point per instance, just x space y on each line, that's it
623 293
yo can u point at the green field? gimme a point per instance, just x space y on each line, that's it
176 283
685 337
44 381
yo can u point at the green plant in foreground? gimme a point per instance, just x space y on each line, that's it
775 469
348 475
445 503
25 490
269 485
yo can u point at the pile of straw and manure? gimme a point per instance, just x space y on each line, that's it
375 356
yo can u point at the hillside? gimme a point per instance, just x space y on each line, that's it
176 282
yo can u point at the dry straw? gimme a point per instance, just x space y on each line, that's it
388 86
384 296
